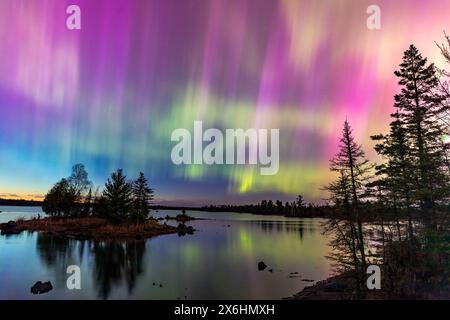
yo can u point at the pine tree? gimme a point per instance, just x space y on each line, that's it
350 162
119 196
396 179
300 202
418 107
142 195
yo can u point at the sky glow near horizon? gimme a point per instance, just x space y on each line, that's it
109 95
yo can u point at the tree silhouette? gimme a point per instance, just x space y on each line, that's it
353 167
61 200
397 178
67 195
79 179
143 195
119 196
418 107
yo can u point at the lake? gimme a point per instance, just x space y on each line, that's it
220 261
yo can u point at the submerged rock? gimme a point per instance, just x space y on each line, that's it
182 229
261 266
41 287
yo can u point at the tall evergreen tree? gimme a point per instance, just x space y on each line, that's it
350 162
143 195
418 107
119 195
396 177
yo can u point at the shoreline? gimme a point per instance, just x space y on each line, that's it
342 287
90 228
337 287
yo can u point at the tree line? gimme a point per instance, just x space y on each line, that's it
297 208
121 200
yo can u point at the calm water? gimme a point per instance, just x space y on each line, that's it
218 262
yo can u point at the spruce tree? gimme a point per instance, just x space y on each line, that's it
142 195
350 162
119 196
396 178
418 107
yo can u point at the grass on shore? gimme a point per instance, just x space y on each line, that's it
94 228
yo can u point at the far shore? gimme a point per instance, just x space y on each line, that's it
322 211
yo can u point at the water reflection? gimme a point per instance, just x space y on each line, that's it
57 252
114 262
218 262
54 251
298 228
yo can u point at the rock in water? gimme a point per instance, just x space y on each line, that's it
261 266
182 229
41 287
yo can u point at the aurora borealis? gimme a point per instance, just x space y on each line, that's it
109 95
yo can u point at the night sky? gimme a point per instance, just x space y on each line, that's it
110 95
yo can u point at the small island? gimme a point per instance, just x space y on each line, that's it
89 228
121 211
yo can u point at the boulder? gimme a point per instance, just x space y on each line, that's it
182 229
41 287
261 266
